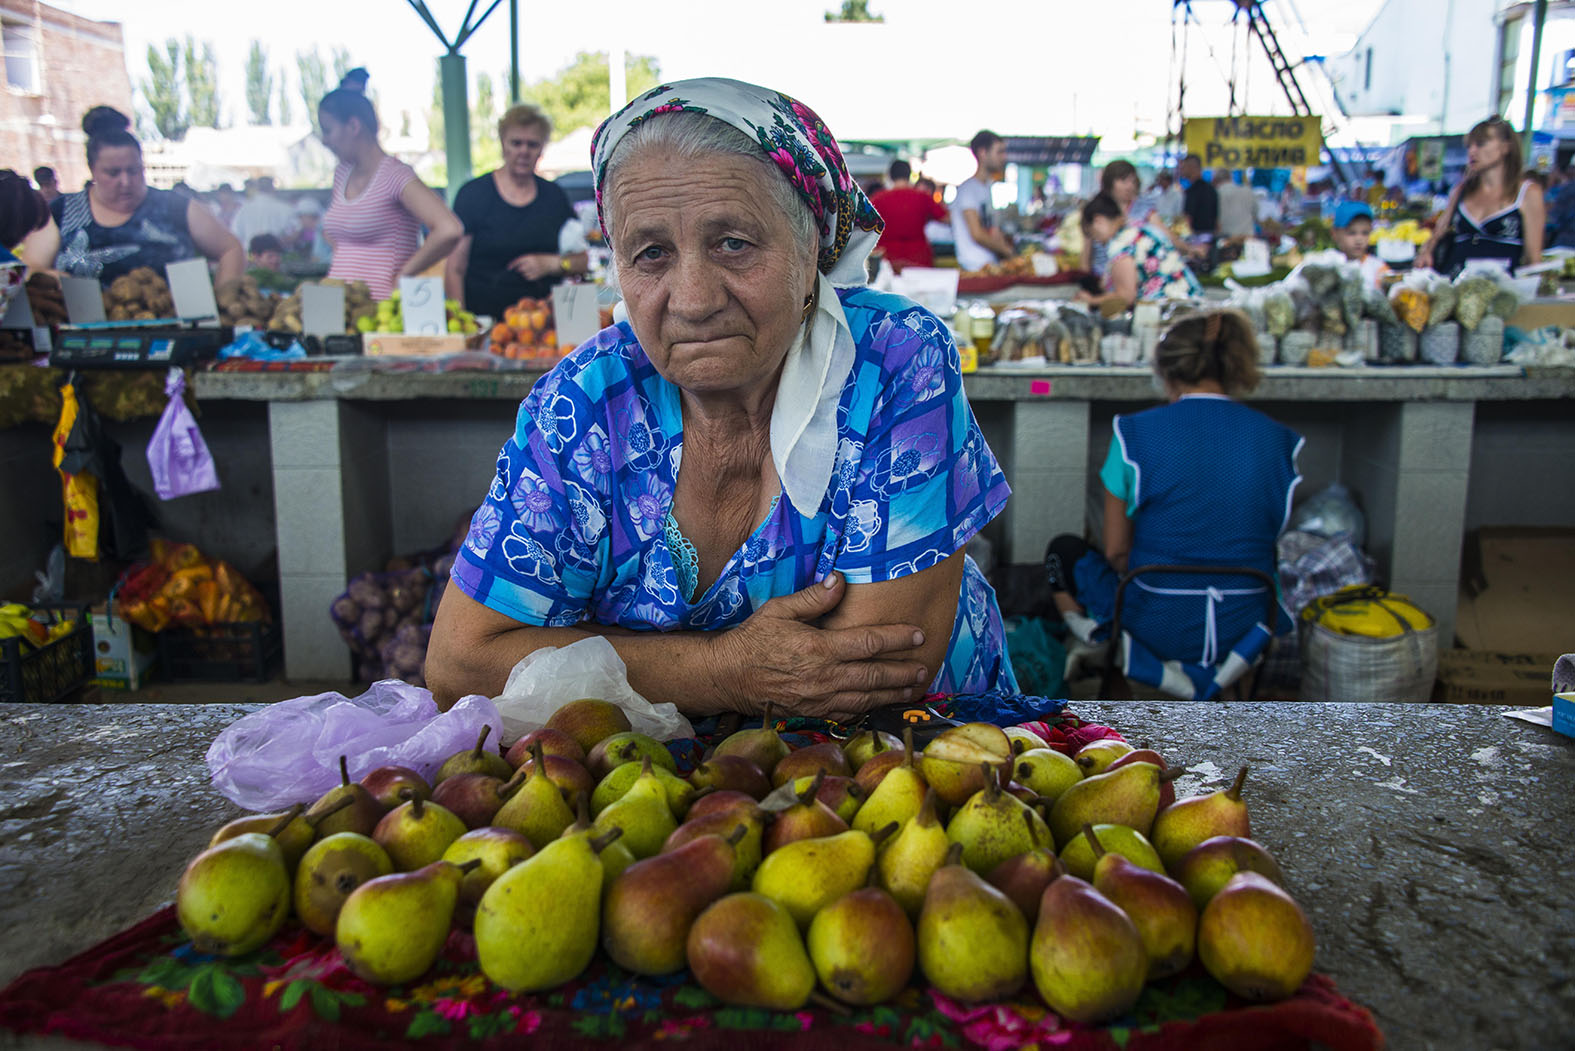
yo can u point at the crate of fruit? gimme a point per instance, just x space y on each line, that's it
247 651
46 654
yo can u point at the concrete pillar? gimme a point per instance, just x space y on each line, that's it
1046 461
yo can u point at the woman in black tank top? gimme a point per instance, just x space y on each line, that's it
1493 213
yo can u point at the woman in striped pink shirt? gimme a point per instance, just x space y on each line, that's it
379 204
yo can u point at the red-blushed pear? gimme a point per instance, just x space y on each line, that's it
862 946
473 798
416 833
826 756
863 746
897 797
385 782
735 773
1255 940
1157 905
628 747
648 910
745 949
362 815
876 767
1087 957
1207 867
1024 878
725 801
569 776
553 742
842 795
747 851
1167 789
1187 822
761 745
589 720
808 818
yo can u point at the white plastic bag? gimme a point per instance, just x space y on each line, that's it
551 677
289 752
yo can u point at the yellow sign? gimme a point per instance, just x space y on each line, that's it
1255 142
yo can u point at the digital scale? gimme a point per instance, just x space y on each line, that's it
157 343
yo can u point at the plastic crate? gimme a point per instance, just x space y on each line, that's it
247 652
53 671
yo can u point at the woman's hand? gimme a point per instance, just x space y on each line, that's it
533 266
825 673
1424 257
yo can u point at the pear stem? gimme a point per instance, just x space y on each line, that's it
765 719
927 815
953 855
1234 791
285 819
880 834
481 738
603 841
537 757
344 771
1171 773
1093 841
992 782
417 804
807 796
907 743
582 809
510 786
825 1002
465 866
879 742
738 833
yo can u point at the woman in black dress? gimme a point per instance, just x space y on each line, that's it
1494 213
515 242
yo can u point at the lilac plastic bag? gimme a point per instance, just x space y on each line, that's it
177 455
289 752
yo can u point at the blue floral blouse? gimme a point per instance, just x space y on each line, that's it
574 526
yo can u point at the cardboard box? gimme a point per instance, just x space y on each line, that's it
1517 591
1485 677
397 343
1564 713
123 653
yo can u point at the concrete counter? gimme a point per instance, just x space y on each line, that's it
1429 844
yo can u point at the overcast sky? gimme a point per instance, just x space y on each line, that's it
935 68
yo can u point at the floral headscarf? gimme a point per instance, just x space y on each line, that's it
795 140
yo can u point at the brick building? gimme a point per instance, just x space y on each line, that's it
57 67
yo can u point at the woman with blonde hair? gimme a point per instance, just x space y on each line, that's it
1202 480
521 234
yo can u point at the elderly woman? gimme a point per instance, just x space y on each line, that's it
118 223
759 487
521 235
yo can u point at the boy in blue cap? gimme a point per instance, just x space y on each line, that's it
1353 226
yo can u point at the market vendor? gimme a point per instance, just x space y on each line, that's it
119 223
22 211
760 486
1352 235
521 234
379 204
1141 261
1201 480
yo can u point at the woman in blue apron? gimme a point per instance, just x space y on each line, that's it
1201 480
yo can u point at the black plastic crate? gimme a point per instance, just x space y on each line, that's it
248 652
53 671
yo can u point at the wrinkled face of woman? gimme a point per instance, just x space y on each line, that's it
711 274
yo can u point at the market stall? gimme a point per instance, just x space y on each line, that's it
1412 835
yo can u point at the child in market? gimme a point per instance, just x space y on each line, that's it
1353 227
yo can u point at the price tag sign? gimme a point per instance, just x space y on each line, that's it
192 289
575 311
323 310
84 299
421 303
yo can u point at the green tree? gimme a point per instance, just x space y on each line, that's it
486 152
435 111
314 81
162 91
286 112
259 84
854 11
342 64
202 84
578 96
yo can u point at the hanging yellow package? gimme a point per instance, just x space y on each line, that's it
79 490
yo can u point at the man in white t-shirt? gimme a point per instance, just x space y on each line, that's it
979 241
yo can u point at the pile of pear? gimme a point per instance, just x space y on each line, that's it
985 863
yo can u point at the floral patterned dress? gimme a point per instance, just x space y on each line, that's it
1161 272
574 527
